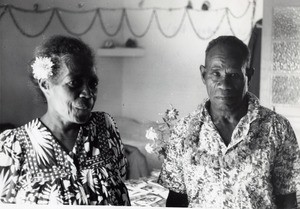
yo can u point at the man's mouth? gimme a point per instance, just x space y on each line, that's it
225 97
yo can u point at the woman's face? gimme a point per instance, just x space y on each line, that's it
71 97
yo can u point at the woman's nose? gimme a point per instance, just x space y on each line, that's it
86 91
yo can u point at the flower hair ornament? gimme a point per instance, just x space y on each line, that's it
42 68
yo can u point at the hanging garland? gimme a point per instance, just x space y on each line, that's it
214 31
124 17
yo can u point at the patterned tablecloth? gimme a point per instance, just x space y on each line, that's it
146 192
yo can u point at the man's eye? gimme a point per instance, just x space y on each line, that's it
216 74
234 75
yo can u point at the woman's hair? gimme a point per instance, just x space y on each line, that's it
62 49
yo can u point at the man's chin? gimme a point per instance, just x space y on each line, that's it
226 102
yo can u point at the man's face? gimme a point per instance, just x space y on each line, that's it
225 77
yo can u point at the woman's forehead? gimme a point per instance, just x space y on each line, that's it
77 71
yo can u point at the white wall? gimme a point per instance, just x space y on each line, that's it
139 88
17 103
169 73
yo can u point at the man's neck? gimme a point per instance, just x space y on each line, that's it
229 114
226 119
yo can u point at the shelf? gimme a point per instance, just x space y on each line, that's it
121 52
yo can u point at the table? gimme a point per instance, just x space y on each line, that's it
146 192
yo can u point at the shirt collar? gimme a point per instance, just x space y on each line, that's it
252 112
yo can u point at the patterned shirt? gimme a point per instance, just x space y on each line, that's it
261 161
36 168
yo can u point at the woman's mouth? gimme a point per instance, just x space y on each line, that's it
83 107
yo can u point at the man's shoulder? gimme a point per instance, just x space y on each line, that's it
186 120
185 126
196 114
270 115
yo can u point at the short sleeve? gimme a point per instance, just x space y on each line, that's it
10 165
286 171
118 146
171 175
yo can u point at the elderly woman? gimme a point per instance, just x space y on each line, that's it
70 155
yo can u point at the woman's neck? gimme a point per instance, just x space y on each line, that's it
62 130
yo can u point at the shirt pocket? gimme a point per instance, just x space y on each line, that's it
255 163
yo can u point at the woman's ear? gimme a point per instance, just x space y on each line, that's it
203 73
44 85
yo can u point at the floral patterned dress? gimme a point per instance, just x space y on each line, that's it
261 161
36 168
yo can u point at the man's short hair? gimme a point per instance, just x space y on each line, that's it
231 41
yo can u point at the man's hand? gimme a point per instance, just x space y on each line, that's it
177 200
286 201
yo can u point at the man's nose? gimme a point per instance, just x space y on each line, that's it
224 82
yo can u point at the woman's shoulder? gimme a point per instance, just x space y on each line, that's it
98 115
12 131
15 133
103 118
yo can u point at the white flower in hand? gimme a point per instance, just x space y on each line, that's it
42 68
149 148
151 134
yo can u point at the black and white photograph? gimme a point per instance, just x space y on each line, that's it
150 103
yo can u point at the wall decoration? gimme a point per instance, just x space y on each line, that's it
226 15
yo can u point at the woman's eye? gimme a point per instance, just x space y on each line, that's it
94 84
74 83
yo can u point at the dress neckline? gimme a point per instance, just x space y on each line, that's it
64 148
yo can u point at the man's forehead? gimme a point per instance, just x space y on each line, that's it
223 48
224 52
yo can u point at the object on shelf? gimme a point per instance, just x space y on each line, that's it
131 43
108 44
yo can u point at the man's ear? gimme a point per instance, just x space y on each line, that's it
203 73
249 73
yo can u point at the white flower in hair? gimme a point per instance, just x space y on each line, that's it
42 68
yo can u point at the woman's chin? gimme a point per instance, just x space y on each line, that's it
82 117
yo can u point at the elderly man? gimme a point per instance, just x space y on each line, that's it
231 152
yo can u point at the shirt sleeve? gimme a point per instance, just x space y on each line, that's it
10 166
171 175
286 171
118 146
